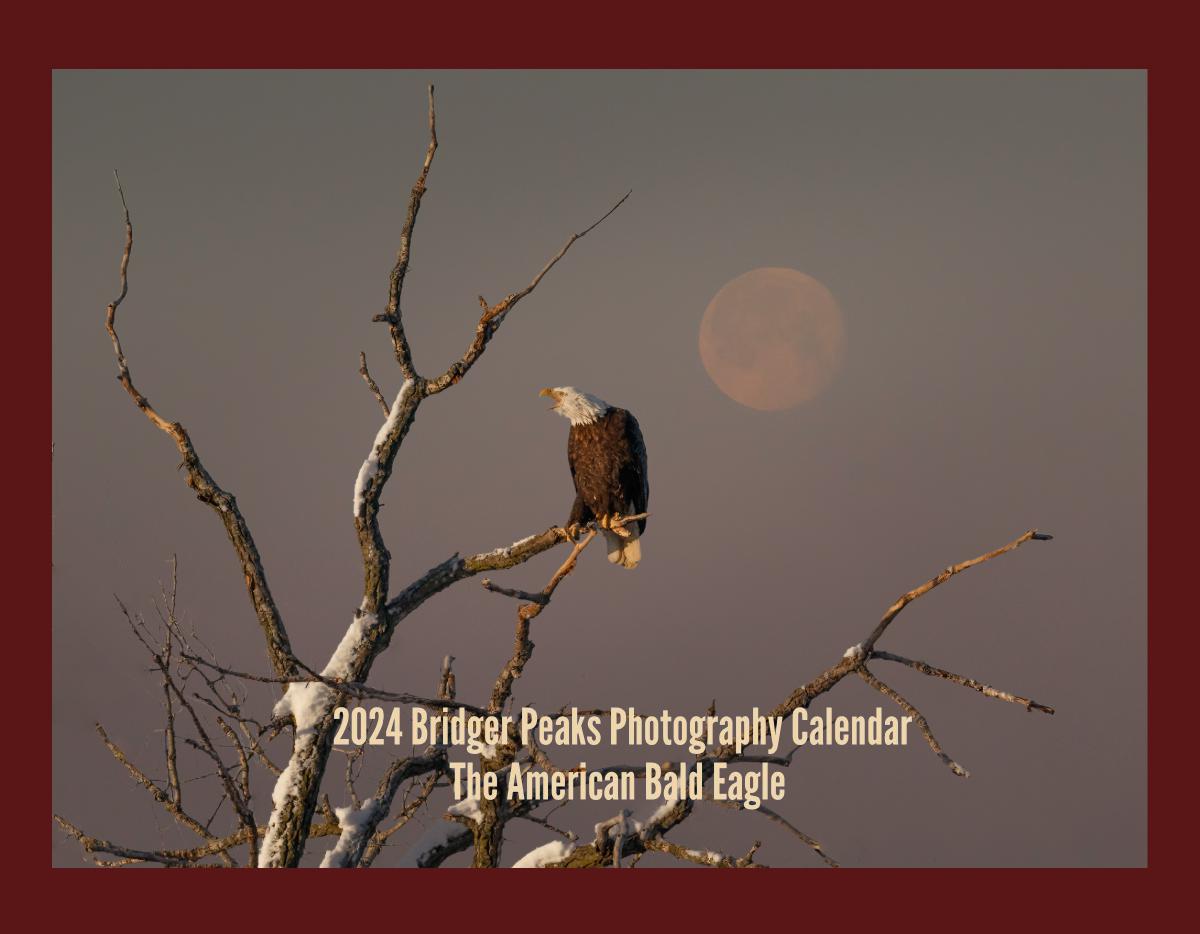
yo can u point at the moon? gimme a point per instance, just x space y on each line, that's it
772 338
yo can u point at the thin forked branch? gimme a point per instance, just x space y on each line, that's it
857 654
523 647
778 818
393 315
493 315
985 689
161 796
371 384
918 719
1033 535
279 650
177 857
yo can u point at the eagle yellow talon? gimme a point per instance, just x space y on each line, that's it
616 529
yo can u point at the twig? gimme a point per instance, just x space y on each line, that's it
410 808
523 646
1033 535
489 829
162 797
215 847
709 858
493 315
349 688
917 716
566 834
393 315
371 384
515 594
984 689
766 812
856 654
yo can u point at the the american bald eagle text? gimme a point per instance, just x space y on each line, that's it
608 464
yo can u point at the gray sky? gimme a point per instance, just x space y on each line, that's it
984 235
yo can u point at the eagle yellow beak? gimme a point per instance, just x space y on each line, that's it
551 394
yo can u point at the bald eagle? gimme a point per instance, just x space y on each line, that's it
608 464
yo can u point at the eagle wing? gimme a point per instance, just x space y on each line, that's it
635 477
608 465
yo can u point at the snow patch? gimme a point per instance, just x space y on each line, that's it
340 664
308 703
855 651
370 466
553 852
354 824
467 807
437 836
669 801
505 552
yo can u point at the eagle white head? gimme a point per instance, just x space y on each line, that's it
579 408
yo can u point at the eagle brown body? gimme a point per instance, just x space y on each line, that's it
607 456
608 464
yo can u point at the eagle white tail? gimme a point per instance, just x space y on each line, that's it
626 552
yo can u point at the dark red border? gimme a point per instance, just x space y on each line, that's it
137 34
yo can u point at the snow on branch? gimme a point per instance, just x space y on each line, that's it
553 852
356 824
370 466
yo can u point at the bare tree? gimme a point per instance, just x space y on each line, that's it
205 701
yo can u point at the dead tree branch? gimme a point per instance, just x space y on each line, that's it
493 315
856 654
187 857
918 719
523 647
766 812
371 384
985 689
853 661
488 834
279 649
393 315
162 797
371 630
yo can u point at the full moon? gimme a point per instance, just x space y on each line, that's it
772 338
